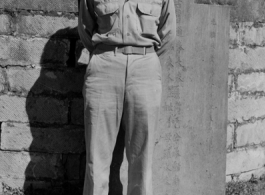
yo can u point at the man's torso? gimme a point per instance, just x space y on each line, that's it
133 22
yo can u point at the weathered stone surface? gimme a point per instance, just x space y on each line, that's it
41 80
46 26
248 33
193 112
257 173
251 133
230 137
72 166
231 83
5 24
21 183
246 176
33 109
248 10
77 111
218 2
244 108
17 136
251 82
244 58
18 51
32 165
244 160
2 80
47 5
233 35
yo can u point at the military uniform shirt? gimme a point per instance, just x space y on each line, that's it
127 22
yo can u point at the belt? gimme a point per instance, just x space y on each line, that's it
126 49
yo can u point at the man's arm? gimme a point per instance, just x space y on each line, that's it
86 23
167 26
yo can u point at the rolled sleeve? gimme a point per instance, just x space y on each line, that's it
86 23
167 26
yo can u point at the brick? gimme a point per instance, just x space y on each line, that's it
5 24
230 137
33 109
19 165
2 80
42 80
47 5
18 51
251 133
251 82
18 136
13 183
244 108
249 34
72 166
77 111
46 26
246 176
248 10
245 160
244 58
258 173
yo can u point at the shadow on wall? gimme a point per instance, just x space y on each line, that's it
55 110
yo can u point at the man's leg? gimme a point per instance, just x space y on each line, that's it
104 96
141 115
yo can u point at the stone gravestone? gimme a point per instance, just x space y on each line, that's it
190 146
190 151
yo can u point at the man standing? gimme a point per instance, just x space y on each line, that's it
123 85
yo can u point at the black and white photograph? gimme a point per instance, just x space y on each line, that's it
132 97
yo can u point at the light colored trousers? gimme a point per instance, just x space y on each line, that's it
121 89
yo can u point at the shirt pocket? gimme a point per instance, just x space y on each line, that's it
149 14
107 16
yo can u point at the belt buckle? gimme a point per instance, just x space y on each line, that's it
127 50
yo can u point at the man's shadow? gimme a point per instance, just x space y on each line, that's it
51 171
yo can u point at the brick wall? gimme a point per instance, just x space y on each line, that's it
41 140
41 135
246 101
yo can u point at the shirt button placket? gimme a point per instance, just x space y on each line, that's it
128 16
126 22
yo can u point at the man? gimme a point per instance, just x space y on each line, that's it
123 85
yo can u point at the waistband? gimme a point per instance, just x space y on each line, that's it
126 49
